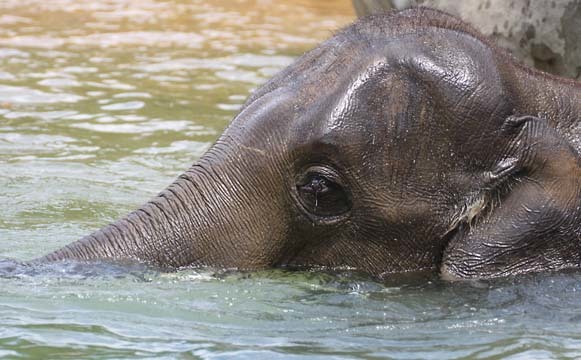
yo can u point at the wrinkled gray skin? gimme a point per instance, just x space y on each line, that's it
406 142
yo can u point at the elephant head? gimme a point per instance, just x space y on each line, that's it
400 144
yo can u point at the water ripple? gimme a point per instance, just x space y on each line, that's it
24 95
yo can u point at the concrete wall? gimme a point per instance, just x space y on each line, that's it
543 33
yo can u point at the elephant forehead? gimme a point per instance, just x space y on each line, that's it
345 103
387 69
356 94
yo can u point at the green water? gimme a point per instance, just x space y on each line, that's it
103 104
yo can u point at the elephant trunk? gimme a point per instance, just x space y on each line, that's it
161 232
225 211
201 219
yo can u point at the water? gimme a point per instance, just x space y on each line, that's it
103 104
105 312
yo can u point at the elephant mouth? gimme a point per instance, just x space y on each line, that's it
446 264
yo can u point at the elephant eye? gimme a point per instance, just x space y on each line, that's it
320 192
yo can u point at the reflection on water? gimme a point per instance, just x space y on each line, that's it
102 104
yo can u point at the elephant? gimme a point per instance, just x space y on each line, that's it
407 142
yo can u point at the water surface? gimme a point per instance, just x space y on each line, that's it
103 104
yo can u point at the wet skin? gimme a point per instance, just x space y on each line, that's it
407 142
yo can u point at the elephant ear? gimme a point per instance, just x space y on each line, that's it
529 219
